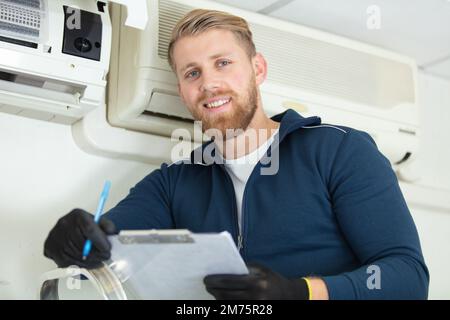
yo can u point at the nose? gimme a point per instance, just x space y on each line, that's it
211 82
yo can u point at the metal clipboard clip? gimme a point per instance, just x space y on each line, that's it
155 236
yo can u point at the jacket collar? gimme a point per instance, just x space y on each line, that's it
289 121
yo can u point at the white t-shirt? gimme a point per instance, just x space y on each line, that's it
240 170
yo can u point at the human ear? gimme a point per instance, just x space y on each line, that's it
260 68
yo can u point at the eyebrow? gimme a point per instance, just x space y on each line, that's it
213 57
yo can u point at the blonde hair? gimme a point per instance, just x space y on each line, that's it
198 21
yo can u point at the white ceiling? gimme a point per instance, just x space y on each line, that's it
417 28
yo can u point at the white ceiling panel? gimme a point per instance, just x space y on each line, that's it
250 5
440 69
418 28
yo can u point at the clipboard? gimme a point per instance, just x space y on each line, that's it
171 264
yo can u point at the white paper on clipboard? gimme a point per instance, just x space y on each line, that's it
171 264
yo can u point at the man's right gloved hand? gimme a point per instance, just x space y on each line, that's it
66 240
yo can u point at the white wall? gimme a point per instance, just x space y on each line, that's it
434 231
434 224
434 98
44 175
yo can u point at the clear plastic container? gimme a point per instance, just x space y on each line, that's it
75 283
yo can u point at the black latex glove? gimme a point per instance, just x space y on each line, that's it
66 240
260 284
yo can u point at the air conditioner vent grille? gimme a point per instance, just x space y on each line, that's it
21 19
169 14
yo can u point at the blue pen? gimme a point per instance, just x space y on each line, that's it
98 213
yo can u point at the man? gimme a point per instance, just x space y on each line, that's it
329 223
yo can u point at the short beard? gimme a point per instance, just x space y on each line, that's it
237 120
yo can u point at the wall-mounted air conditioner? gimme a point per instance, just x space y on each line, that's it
54 58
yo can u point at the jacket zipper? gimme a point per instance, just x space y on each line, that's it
240 241
240 244
243 224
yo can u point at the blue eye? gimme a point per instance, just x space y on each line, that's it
192 74
224 63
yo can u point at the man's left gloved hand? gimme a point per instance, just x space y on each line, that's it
260 284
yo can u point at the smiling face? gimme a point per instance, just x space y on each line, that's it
217 80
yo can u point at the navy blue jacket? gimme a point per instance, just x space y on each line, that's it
334 209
